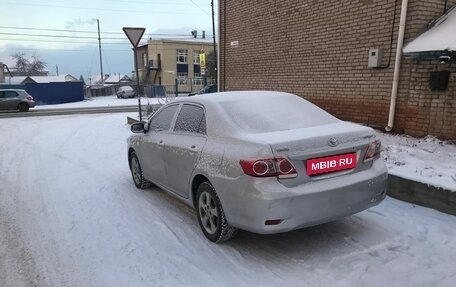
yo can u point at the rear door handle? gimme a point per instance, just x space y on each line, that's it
193 146
160 142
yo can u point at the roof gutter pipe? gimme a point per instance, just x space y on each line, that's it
397 66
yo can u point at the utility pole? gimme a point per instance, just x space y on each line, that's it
213 37
99 47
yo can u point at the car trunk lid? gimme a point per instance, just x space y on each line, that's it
331 149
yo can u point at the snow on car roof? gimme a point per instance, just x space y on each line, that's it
238 95
253 112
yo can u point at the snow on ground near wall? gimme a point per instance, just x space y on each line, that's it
73 217
427 160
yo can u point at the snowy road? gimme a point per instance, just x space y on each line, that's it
71 216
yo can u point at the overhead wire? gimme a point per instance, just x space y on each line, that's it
82 32
100 9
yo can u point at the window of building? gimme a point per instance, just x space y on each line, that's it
198 79
196 57
182 78
182 55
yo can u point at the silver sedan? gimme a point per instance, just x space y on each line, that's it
262 161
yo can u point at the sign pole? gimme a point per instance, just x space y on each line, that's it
137 83
134 35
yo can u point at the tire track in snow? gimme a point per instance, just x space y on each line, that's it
17 265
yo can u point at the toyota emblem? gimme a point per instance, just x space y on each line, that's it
333 142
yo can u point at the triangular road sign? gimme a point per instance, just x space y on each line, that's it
134 34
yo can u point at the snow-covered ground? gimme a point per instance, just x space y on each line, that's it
427 160
70 215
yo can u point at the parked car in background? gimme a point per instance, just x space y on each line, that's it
15 99
205 90
261 161
125 92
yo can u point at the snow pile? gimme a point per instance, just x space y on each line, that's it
427 160
440 37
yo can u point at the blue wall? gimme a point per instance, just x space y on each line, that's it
52 93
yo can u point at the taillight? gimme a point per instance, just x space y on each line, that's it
280 167
30 98
373 150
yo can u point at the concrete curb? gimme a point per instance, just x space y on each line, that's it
422 194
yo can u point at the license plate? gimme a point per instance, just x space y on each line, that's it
331 163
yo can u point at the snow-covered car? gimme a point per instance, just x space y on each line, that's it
262 161
16 99
125 92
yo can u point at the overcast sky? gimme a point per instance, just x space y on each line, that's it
63 33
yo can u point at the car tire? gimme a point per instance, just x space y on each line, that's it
211 216
137 173
23 107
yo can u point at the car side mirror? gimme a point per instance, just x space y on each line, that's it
138 128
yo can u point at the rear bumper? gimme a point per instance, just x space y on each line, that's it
310 204
31 104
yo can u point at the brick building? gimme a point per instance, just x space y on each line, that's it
319 50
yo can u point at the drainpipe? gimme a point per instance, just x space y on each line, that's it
397 66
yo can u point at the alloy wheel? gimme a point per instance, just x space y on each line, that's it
136 170
208 212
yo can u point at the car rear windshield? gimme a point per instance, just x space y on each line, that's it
275 114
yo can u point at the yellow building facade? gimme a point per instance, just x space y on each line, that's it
165 60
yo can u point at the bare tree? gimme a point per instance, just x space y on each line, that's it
211 66
21 64
37 67
27 67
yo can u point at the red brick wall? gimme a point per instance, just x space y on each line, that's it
319 50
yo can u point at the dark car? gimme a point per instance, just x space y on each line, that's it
15 99
205 90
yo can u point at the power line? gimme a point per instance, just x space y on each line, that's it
100 9
56 41
149 2
205 12
57 36
58 30
64 50
90 32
